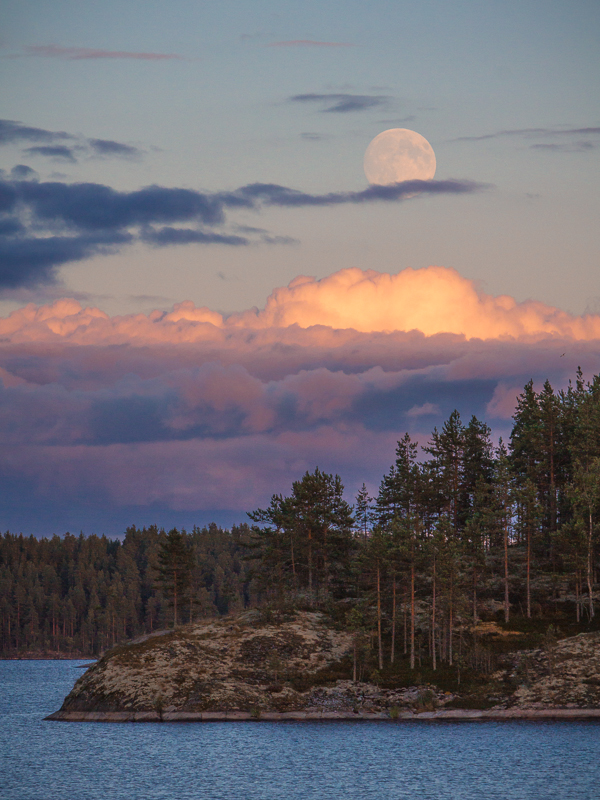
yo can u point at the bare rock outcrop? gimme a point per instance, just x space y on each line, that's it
240 663
254 665
564 674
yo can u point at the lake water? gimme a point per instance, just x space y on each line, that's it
279 761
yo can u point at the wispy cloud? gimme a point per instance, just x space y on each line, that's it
308 136
109 148
309 43
572 147
531 132
13 132
58 152
80 53
343 103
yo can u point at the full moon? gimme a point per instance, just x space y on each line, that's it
399 155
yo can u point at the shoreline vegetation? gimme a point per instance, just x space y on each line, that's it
467 572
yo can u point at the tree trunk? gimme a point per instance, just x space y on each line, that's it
392 654
506 602
404 607
174 598
474 594
379 642
528 571
589 566
451 618
412 614
310 566
433 602
293 564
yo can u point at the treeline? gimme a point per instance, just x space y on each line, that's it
77 594
461 530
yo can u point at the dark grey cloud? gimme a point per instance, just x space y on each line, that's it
95 207
274 195
22 172
343 103
58 152
12 132
47 224
164 237
108 148
29 261
51 143
9 226
572 147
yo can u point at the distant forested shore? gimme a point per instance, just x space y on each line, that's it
83 594
462 533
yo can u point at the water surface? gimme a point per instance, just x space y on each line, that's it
516 760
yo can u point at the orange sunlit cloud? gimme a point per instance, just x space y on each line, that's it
433 300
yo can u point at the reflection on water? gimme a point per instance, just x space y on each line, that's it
279 761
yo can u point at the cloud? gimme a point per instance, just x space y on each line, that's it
12 132
529 133
309 43
425 410
69 222
314 137
106 147
164 237
343 103
574 147
188 409
26 261
433 300
270 194
58 152
79 53
21 172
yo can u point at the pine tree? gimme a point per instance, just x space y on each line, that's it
174 564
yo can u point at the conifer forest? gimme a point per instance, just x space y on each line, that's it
462 532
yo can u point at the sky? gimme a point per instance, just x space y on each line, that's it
201 296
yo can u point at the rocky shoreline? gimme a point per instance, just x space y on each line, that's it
449 715
251 668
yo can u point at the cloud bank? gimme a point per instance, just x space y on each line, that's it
188 412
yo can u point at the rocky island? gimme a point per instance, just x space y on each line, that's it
250 667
